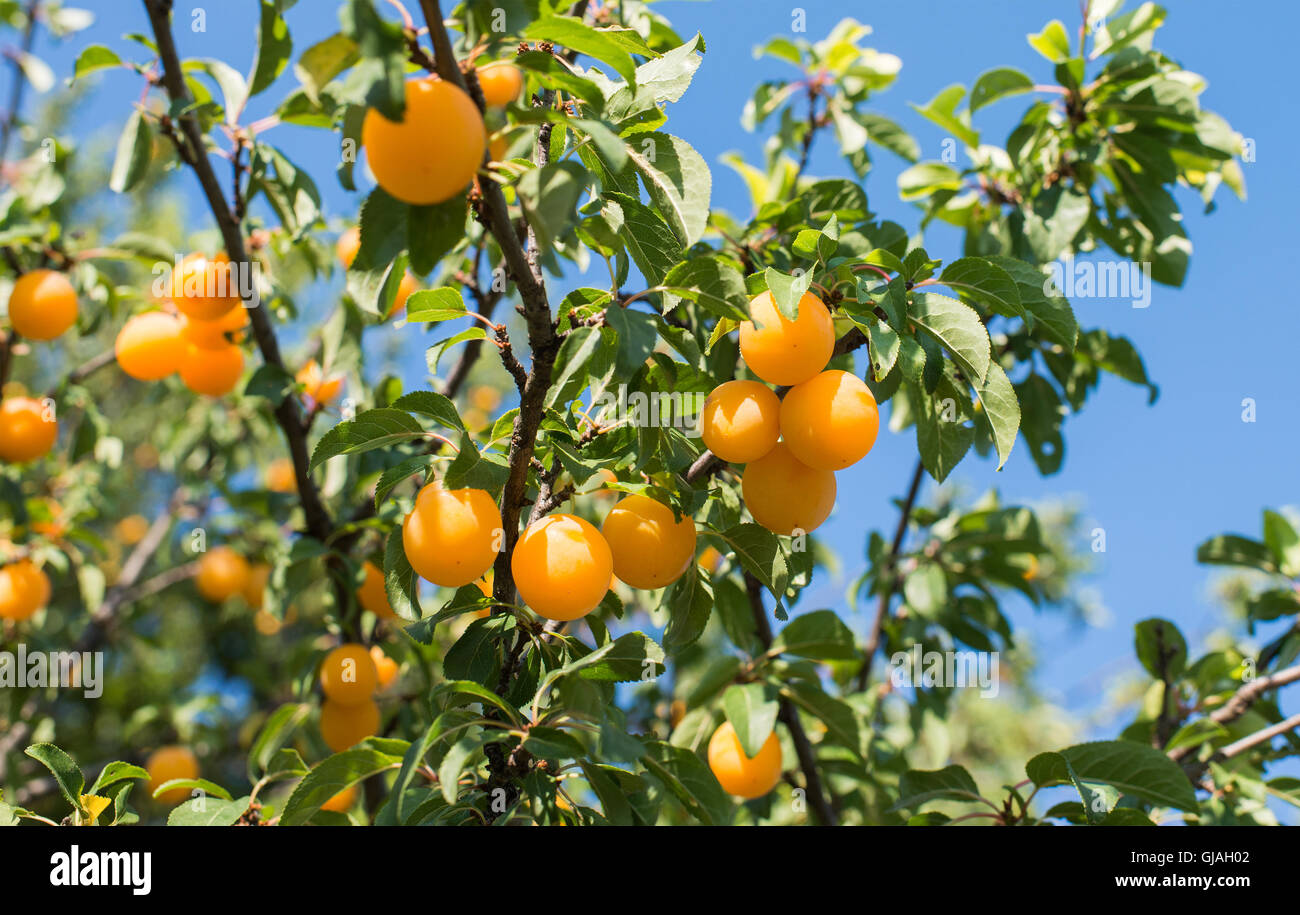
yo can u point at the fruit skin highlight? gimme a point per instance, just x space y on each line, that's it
149 346
204 288
24 589
433 153
342 726
167 763
222 574
348 675
784 494
650 547
741 421
43 304
830 421
27 431
737 773
562 566
450 536
786 352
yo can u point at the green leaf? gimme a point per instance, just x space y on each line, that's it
274 46
651 244
433 231
677 179
614 46
713 283
787 290
839 717
942 110
134 148
1161 648
752 713
1053 42
1283 542
995 84
917 787
1052 312
453 764
277 730
442 304
1001 410
820 634
1133 768
690 604
550 195
379 428
1232 550
209 812
323 61
759 551
957 328
64 768
986 283
331 776
553 743
686 776
926 178
93 58
209 789
115 772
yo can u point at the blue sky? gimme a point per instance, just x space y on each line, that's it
1158 479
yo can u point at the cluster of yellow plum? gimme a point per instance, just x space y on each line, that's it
791 446
562 564
198 342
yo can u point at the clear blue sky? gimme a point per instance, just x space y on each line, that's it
1158 478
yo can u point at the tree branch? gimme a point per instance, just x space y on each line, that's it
817 796
1241 701
891 586
287 413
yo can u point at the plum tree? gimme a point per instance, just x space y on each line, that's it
435 535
